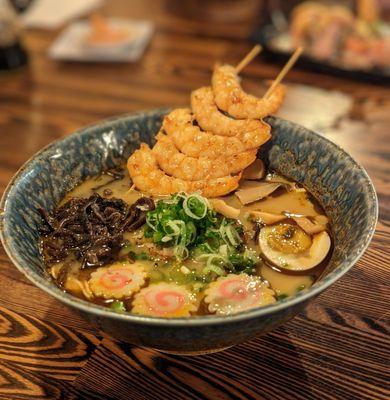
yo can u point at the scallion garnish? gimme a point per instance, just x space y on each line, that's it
189 225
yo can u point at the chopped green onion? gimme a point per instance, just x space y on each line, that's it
151 220
195 206
223 249
181 252
188 225
118 306
157 236
214 268
174 226
191 232
232 235
213 263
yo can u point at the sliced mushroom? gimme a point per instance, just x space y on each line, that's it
301 261
73 284
258 192
255 171
290 185
224 209
308 226
321 219
267 218
275 178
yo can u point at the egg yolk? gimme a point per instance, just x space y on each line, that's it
288 239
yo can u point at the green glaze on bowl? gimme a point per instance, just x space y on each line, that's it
341 186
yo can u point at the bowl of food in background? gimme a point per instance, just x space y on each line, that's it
338 40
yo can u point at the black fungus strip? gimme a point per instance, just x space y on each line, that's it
117 174
91 230
257 228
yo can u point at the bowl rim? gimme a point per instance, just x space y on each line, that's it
100 311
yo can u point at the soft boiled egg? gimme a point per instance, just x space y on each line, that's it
288 246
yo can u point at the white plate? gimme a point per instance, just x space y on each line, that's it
71 44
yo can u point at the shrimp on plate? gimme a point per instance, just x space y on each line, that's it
231 98
148 177
189 168
210 118
194 142
302 18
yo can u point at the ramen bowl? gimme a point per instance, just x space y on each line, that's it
339 183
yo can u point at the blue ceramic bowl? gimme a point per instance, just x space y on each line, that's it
338 182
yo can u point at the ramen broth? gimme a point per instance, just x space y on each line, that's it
159 268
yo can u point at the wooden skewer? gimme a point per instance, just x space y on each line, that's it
284 71
248 58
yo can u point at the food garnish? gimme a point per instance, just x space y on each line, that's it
256 192
91 230
165 300
255 171
235 293
190 225
224 209
289 247
119 280
308 226
266 218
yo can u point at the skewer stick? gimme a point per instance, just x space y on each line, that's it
284 71
248 58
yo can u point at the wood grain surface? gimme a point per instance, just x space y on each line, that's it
337 349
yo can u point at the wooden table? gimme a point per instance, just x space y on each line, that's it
337 349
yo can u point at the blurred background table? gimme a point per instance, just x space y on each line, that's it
337 349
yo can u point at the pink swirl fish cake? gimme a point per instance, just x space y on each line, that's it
235 293
118 280
165 300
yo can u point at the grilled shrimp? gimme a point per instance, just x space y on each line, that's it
210 118
189 168
194 142
231 98
148 177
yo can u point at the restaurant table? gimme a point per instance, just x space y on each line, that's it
338 348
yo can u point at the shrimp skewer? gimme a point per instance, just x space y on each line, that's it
189 168
231 98
210 118
194 142
148 177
